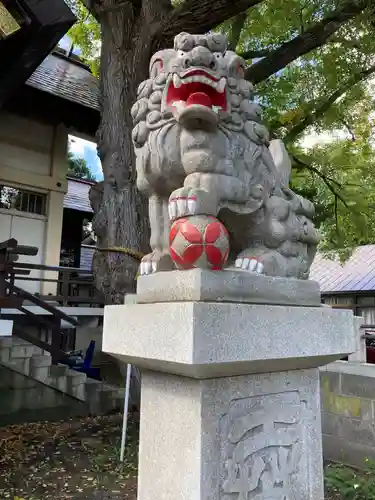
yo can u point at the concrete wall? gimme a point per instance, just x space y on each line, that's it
348 412
25 400
33 156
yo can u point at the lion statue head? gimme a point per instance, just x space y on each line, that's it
196 96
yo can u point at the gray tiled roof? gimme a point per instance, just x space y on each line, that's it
66 79
77 197
357 274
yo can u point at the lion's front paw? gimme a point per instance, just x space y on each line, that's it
192 201
155 262
251 264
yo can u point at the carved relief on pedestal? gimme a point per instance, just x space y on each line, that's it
261 448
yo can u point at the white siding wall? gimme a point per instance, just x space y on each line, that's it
33 157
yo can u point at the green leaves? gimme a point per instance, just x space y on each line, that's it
77 167
325 92
350 484
86 34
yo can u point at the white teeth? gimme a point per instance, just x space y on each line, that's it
238 263
172 209
253 265
219 86
177 82
179 105
181 207
192 206
222 85
245 264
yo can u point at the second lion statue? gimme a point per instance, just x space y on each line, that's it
201 149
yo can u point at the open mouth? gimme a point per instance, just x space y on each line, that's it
197 87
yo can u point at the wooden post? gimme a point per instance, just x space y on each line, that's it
65 287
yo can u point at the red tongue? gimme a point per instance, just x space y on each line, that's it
199 98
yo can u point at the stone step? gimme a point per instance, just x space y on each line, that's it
22 363
6 342
77 378
26 350
18 341
60 383
35 363
59 371
41 360
5 354
40 366
76 384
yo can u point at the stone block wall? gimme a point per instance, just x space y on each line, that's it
348 412
23 399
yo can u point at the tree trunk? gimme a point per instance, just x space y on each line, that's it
121 214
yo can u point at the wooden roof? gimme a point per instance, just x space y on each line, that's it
42 24
68 79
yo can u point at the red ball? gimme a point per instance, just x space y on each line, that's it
199 241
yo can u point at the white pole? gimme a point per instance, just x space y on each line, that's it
126 409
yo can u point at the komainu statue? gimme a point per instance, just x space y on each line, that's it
201 149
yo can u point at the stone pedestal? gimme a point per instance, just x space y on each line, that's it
230 388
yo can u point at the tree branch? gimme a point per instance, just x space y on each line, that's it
235 33
350 44
314 36
327 103
155 10
349 129
328 181
254 54
98 7
197 16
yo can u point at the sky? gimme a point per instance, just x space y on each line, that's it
80 147
87 150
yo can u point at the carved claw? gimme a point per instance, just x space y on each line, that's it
191 201
251 264
155 262
181 205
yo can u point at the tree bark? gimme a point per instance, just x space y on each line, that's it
120 219
197 16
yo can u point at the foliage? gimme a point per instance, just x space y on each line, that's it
338 176
325 90
77 167
349 484
86 34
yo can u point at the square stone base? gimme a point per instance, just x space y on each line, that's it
252 437
226 286
220 339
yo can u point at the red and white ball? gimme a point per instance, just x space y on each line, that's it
199 241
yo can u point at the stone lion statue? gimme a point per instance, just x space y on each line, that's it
201 149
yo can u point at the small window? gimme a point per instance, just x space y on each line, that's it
24 201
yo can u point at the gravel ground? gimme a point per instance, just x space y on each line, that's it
74 460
